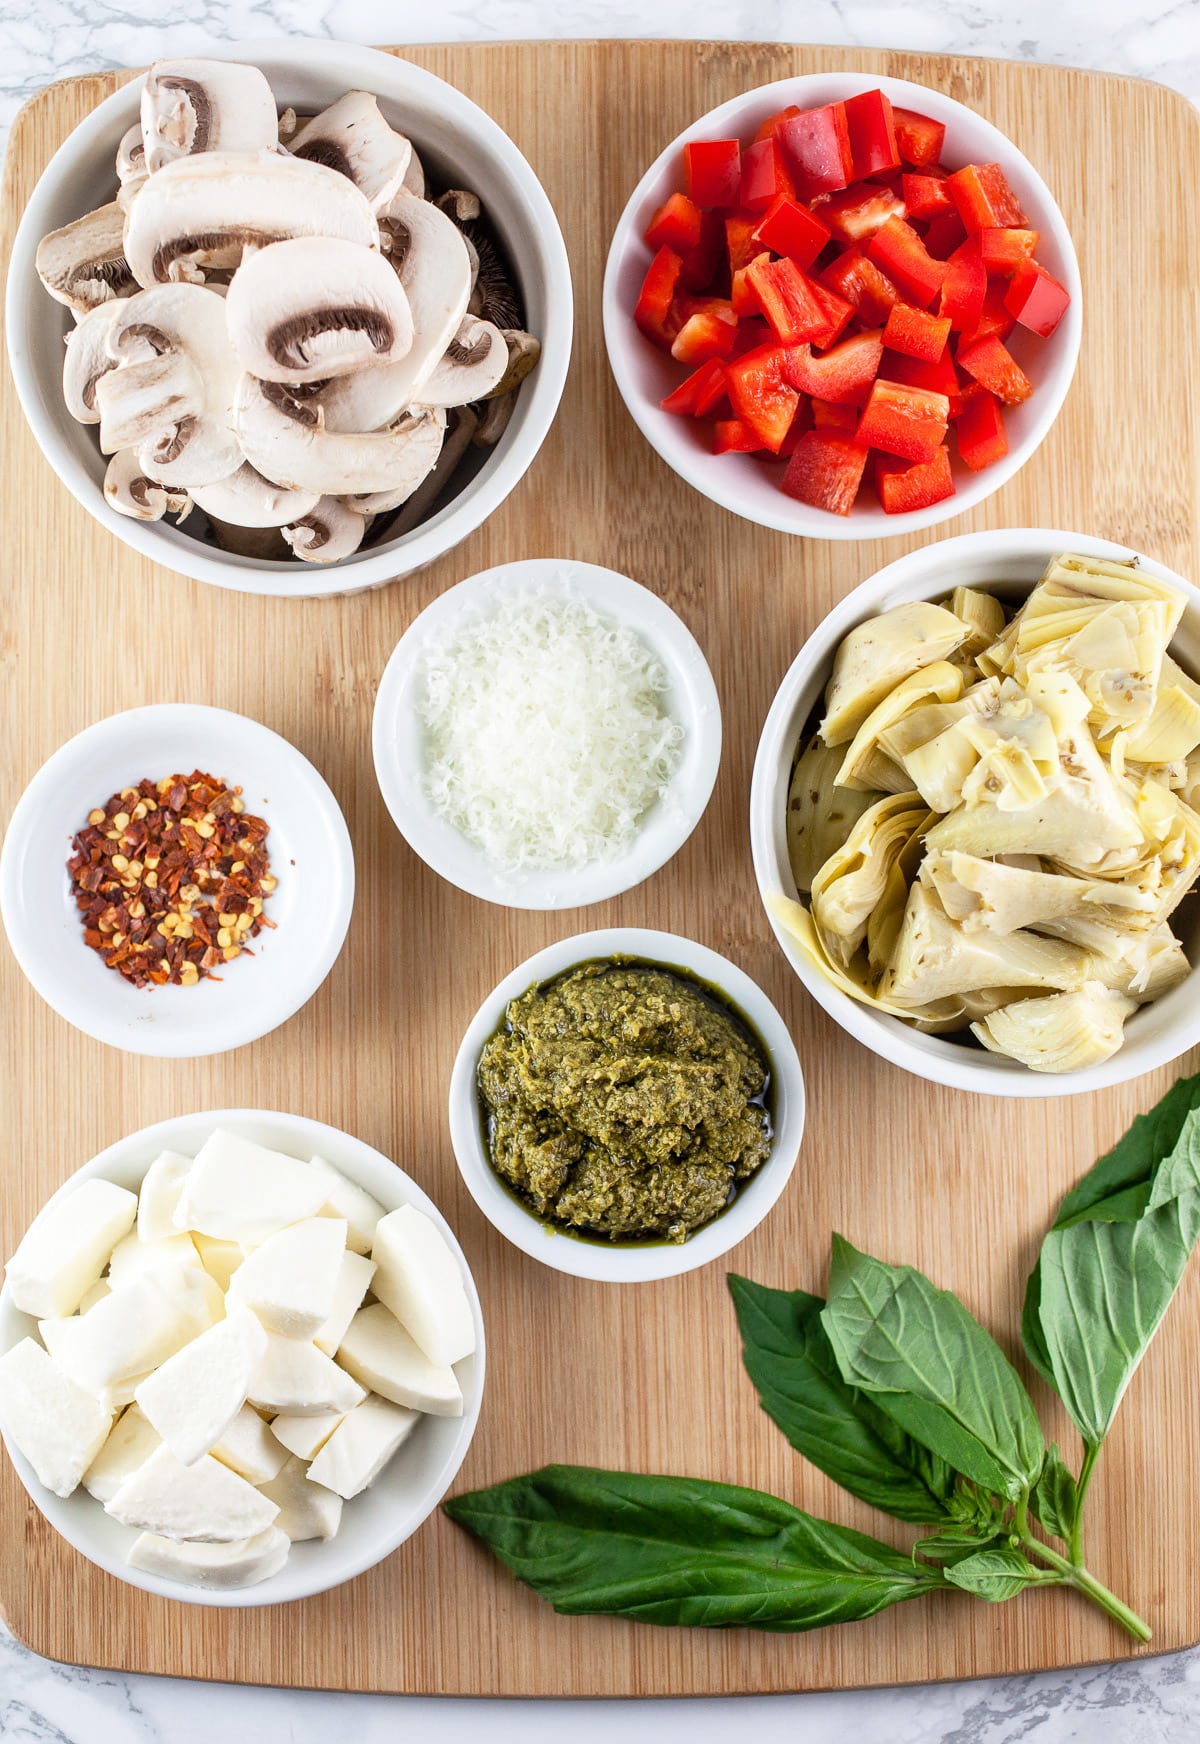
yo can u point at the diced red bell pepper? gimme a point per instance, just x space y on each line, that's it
843 376
859 211
944 234
1004 250
1038 301
996 369
906 421
899 251
708 333
760 395
964 287
699 394
764 178
838 314
902 488
842 420
770 126
916 332
734 436
742 295
675 225
787 298
653 309
825 471
714 171
939 377
919 139
983 197
787 227
752 332
872 133
702 264
816 150
995 318
799 424
979 432
860 281
925 196
740 242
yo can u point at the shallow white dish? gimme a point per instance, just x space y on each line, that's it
1009 563
310 853
606 1262
411 1485
400 759
462 146
750 487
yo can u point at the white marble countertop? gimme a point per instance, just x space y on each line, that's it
1155 1701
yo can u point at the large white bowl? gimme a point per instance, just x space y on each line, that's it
310 854
411 1485
749 487
461 146
1009 563
605 1261
691 698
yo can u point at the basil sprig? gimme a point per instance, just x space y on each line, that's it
894 1390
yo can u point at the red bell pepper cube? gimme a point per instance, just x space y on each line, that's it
787 298
734 436
944 234
995 318
702 263
842 376
708 333
979 432
910 422
752 332
901 254
872 133
742 296
964 287
675 225
902 488
652 311
1038 301
770 126
859 211
714 171
838 314
700 394
860 281
996 369
816 150
919 139
799 424
939 377
825 471
740 243
760 396
925 196
842 420
916 332
1004 250
983 197
787 227
764 178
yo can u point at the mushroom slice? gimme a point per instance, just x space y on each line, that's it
327 533
199 213
247 499
414 178
352 137
313 308
459 435
472 364
523 352
147 398
131 156
493 417
194 105
87 359
288 441
85 263
129 490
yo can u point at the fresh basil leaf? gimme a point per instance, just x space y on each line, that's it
931 1366
995 1575
1055 1501
684 1551
955 1544
845 1435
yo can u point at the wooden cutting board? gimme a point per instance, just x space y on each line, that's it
641 1376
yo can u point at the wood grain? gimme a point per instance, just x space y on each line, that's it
646 1376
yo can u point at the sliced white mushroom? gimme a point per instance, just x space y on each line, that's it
198 213
287 440
460 433
141 400
414 177
199 448
131 156
85 262
523 353
248 499
426 431
312 308
128 490
352 137
194 105
471 367
331 531
87 359
496 414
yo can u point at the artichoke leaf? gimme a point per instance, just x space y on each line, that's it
930 719
984 616
984 895
1170 732
819 815
1142 966
935 959
939 682
853 881
1063 1032
796 921
876 655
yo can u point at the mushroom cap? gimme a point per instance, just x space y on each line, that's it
523 353
146 398
247 499
461 428
195 105
471 367
414 177
332 530
352 137
129 490
85 262
131 157
214 204
426 430
287 440
87 359
313 307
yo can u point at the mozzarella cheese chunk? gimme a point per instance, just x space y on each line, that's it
420 1280
195 1395
290 1281
216 1566
66 1248
248 1448
361 1446
131 1441
353 1281
240 1191
220 1259
305 1510
296 1377
57 1425
133 1255
378 1352
62 1338
96 1294
158 1200
140 1324
346 1199
205 1502
305 1436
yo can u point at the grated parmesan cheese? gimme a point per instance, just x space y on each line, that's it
547 736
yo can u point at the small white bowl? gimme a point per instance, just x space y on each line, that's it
605 1261
310 854
691 698
462 146
374 1523
749 487
1008 563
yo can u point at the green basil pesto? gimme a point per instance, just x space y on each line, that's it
625 1102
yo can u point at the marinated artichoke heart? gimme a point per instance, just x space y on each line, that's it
876 656
1063 1032
820 815
860 892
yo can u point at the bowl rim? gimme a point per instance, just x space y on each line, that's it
441 531
593 1260
937 1060
152 1139
670 821
720 483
